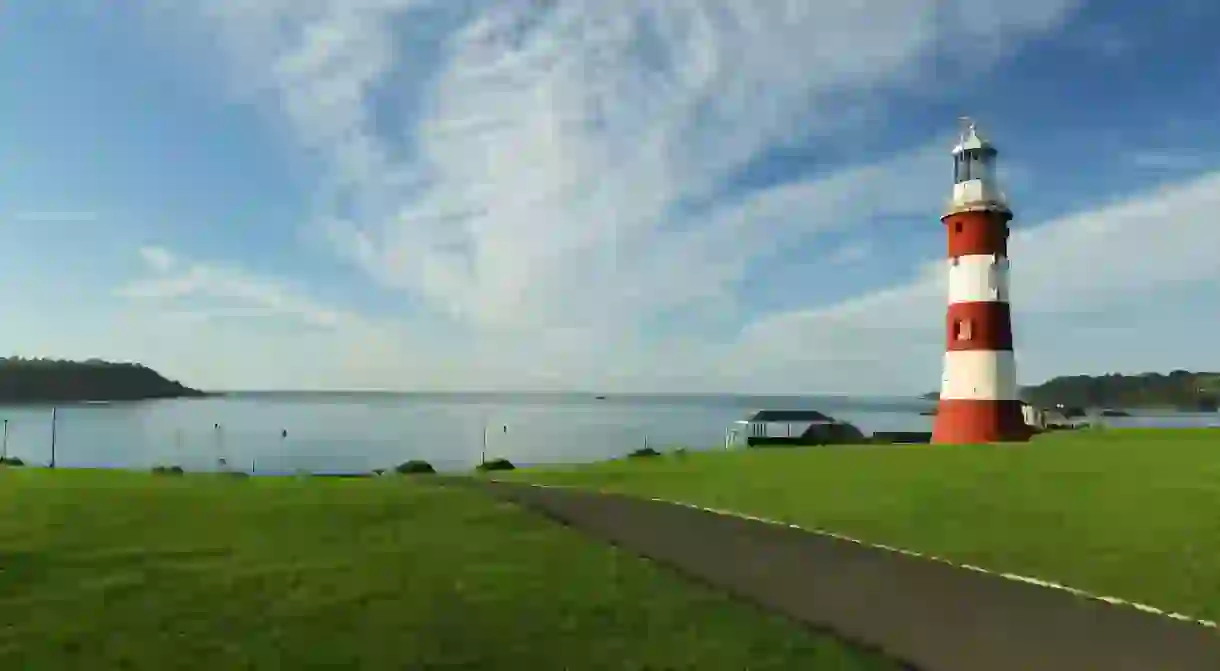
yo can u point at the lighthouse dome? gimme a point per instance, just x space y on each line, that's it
972 139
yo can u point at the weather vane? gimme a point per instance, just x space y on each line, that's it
967 124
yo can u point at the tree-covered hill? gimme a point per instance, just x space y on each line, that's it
1180 389
51 381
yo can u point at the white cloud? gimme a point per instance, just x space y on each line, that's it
1093 292
221 327
239 293
1172 159
55 216
561 182
593 126
159 259
544 181
851 252
1110 265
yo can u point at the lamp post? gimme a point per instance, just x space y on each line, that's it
54 420
218 445
483 455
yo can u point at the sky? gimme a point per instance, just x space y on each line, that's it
612 195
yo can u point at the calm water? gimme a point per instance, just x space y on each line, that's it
358 432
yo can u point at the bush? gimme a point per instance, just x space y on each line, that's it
834 433
845 433
496 465
167 470
11 461
414 467
644 452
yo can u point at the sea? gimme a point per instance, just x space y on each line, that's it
279 433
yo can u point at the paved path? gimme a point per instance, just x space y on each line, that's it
925 613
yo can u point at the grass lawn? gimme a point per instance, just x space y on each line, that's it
113 570
1128 513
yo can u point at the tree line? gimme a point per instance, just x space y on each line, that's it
1180 389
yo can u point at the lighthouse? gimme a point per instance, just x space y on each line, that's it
978 392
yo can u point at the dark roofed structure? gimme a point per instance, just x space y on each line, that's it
793 416
819 429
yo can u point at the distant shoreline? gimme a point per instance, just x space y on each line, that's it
63 402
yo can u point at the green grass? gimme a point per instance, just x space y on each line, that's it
1128 513
112 570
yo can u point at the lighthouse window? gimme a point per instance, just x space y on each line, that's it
973 164
961 329
984 166
961 167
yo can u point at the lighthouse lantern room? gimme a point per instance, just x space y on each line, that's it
978 395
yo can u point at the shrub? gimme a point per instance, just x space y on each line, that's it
11 461
843 433
644 452
167 470
496 465
414 467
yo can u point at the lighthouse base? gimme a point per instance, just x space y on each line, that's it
963 422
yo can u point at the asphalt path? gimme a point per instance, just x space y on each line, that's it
928 614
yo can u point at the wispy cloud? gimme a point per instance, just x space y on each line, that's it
1106 40
567 171
54 216
850 253
570 165
1110 259
158 259
1174 160
241 294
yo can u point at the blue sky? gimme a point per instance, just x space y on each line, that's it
720 195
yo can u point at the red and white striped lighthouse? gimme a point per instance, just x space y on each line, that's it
978 393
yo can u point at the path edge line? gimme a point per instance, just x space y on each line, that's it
1013 577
